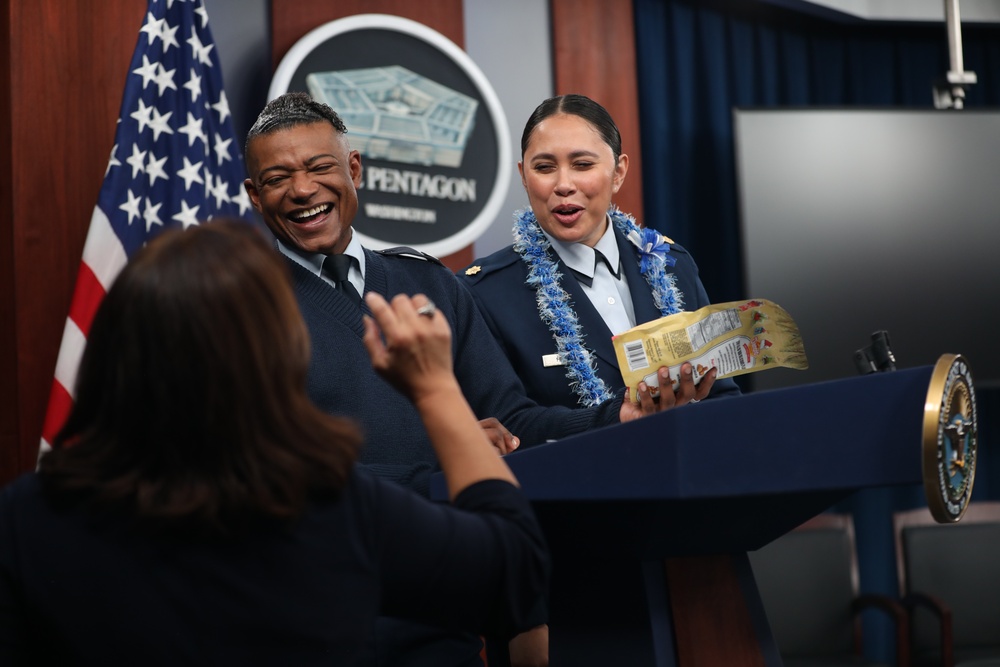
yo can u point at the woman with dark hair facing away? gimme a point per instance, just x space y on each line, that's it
197 509
579 272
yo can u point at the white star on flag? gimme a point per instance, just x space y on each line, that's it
159 125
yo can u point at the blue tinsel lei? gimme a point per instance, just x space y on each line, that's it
553 302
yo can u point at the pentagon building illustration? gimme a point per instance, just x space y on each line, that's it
394 114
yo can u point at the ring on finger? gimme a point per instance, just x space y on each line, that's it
428 309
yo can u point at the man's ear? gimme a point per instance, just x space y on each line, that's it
252 193
355 167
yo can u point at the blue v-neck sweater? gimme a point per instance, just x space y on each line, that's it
341 380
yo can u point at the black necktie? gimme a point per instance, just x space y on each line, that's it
599 257
338 267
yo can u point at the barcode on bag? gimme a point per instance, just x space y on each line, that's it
635 355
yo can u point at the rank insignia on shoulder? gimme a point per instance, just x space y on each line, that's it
473 270
406 251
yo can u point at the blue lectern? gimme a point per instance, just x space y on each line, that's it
649 522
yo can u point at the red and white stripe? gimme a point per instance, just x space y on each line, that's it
103 258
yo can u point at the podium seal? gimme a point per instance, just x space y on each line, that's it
950 439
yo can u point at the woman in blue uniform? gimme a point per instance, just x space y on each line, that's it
580 270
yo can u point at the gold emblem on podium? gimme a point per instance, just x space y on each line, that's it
950 439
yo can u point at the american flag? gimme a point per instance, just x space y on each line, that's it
175 162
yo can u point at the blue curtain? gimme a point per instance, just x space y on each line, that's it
697 60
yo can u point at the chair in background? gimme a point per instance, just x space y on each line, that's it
949 580
808 583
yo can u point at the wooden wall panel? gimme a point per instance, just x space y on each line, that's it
593 43
66 72
292 19
9 447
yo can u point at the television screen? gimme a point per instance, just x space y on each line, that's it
861 220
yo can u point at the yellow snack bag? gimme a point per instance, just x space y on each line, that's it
735 337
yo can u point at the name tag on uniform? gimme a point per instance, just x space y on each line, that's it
549 360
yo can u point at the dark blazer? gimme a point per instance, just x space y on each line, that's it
508 305
300 593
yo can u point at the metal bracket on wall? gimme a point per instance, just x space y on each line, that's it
949 93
